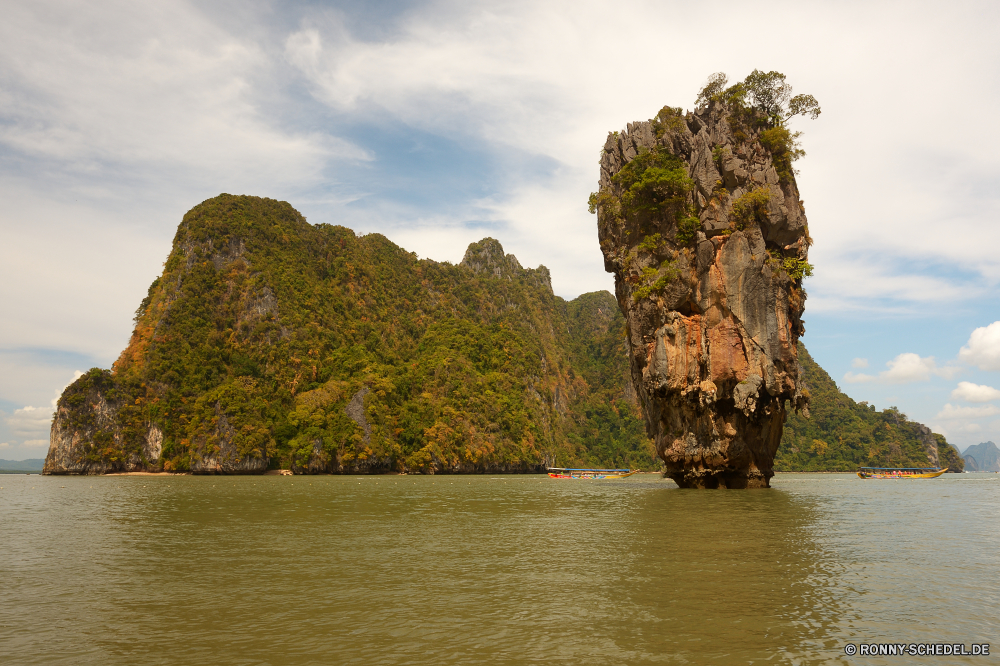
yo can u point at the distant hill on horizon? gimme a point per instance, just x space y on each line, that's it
976 446
985 456
28 465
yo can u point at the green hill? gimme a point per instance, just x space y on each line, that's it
21 466
842 435
270 342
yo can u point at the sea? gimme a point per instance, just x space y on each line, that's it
504 569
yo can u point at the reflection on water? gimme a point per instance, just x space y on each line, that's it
510 569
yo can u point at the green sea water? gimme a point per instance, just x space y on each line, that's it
492 569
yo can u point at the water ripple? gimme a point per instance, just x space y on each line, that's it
505 570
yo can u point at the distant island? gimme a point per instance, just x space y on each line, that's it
984 457
21 466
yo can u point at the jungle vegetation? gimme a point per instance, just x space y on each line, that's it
763 103
263 328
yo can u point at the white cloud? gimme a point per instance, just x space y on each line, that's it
844 281
983 348
859 363
950 412
975 392
858 378
29 422
905 369
4 445
170 92
33 424
970 428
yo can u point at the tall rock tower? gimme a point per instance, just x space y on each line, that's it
700 221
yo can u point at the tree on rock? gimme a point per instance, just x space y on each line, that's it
764 101
765 92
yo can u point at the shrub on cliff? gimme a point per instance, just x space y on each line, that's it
763 102
751 208
653 185
765 92
784 147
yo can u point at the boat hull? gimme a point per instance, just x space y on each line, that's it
585 476
920 475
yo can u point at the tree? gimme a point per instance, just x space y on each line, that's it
764 101
714 87
801 105
766 92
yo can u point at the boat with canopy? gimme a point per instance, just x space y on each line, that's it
570 473
901 472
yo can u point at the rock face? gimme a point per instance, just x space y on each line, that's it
939 452
87 425
487 258
708 245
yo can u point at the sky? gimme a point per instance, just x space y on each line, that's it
440 123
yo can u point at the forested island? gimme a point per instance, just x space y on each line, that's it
270 343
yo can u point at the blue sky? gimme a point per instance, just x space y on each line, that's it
438 123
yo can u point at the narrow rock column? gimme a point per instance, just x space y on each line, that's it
708 245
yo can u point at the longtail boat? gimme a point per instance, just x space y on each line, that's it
901 472
568 473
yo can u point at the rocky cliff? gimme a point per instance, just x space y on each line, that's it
268 343
949 456
89 431
700 221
